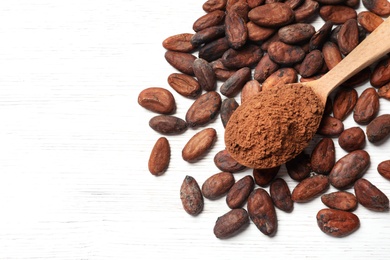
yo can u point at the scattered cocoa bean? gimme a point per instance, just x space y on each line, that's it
204 109
281 195
159 100
199 144
185 85
378 129
352 139
310 188
341 200
226 163
384 169
159 157
231 223
191 196
323 156
239 192
370 196
167 124
217 185
367 106
337 223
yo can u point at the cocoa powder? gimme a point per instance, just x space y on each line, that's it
292 113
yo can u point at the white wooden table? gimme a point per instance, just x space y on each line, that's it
74 146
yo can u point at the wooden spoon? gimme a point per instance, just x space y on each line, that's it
276 125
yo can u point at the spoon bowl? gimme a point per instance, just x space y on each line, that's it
276 125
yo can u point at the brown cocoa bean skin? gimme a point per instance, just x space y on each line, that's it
231 223
185 85
217 185
181 61
323 156
280 77
358 79
208 35
338 14
208 20
349 168
214 50
179 42
158 100
379 7
367 106
321 36
330 126
229 105
340 200
310 188
258 33
384 91
299 168
332 54
348 36
239 192
212 5
221 72
384 169
204 109
285 54
369 21
272 15
226 163
381 73
306 11
159 157
235 30
296 33
199 144
281 195
247 56
337 223
371 196
344 102
352 139
250 89
191 196
263 177
311 64
167 124
378 129
264 68
205 74
262 211
236 82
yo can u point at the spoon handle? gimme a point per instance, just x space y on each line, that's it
373 47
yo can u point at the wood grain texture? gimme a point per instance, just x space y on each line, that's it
74 146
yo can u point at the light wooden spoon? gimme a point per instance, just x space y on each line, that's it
257 145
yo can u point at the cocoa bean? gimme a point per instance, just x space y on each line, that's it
340 200
229 105
226 163
331 53
285 54
264 68
185 85
239 192
159 100
179 42
159 157
231 223
247 56
371 196
337 223
204 109
352 139
281 195
181 61
208 20
214 50
381 73
281 14
384 91
167 124
236 82
205 74
250 89
199 144
235 30
258 33
307 10
310 188
191 196
263 177
367 106
221 72
217 185
348 36
379 7
337 14
299 168
349 168
212 5
280 77
311 64
296 33
207 35
321 36
369 21
378 129
330 126
344 102
262 211
384 169
323 156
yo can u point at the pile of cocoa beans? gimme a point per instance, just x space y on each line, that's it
237 49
